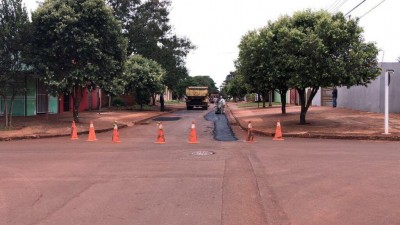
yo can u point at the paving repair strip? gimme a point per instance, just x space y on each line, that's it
203 153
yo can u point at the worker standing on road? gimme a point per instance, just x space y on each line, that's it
162 102
215 100
334 97
221 104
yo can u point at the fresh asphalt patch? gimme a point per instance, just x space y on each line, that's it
222 129
169 118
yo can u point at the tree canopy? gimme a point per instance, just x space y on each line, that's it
14 25
252 63
143 77
307 51
206 81
77 43
146 27
236 87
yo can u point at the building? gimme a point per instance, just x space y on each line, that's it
370 98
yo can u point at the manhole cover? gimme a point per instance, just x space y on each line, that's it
201 153
170 118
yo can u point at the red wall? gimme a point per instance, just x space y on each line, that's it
84 100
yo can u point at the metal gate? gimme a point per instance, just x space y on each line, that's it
326 96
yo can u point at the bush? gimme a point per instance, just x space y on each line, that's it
118 102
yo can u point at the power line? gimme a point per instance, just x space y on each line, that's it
333 5
355 7
340 5
372 9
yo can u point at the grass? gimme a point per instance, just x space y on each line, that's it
255 104
175 102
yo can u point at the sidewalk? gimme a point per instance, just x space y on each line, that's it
322 122
60 125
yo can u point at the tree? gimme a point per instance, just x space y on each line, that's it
77 44
14 25
275 58
146 27
182 85
206 81
324 50
249 64
235 87
143 78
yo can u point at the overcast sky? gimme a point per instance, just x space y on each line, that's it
216 26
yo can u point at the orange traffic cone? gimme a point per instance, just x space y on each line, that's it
160 134
74 132
115 137
193 135
92 133
278 132
250 135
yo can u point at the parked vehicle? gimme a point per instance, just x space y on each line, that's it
197 97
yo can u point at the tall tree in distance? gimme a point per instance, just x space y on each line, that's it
236 87
206 81
250 64
14 25
146 27
77 44
143 78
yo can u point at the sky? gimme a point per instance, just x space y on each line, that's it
216 27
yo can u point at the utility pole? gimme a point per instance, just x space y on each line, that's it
387 83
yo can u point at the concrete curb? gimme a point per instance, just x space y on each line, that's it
316 136
120 126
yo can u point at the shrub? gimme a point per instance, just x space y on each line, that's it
118 102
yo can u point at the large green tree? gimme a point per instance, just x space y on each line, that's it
146 26
206 81
143 78
236 87
250 64
325 50
76 44
14 25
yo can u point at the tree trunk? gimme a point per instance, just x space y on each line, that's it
270 98
153 96
283 100
264 96
303 111
5 111
76 105
11 111
305 104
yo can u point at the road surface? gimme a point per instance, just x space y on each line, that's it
139 182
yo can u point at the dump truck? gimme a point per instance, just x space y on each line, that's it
197 97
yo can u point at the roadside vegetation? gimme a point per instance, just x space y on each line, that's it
129 47
305 51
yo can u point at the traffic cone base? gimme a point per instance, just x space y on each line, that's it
278 139
92 133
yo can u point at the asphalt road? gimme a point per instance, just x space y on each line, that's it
296 181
